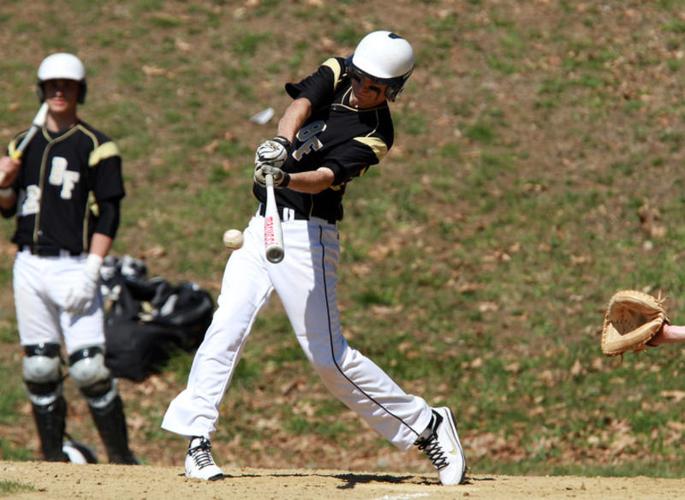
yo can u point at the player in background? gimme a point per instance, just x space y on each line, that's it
65 192
337 126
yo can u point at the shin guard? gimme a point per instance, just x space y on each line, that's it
111 425
50 422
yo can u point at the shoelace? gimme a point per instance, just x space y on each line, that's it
202 454
431 447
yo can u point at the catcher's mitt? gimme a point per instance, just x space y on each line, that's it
632 319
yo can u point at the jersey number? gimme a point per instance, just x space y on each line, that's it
29 201
308 137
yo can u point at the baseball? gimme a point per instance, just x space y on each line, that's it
233 239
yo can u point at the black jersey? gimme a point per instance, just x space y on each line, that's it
337 136
63 177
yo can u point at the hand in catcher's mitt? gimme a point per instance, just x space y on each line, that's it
632 319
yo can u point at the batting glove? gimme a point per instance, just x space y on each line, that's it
273 152
82 293
281 177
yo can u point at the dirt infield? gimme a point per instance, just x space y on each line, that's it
65 481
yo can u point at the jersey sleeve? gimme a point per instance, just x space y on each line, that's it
107 179
355 157
319 87
107 188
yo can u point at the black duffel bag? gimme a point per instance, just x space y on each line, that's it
147 319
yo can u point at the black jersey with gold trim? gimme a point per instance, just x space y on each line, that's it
62 179
336 135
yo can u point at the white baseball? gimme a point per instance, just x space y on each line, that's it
233 239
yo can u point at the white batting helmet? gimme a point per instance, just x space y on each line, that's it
62 66
386 57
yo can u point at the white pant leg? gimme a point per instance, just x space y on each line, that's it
306 284
79 330
84 330
244 290
37 316
40 288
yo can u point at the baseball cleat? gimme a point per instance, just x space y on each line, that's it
443 447
199 461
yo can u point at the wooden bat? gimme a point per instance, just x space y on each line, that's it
273 233
38 122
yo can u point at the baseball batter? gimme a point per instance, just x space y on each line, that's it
337 126
65 192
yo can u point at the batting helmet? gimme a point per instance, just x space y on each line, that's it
62 66
78 453
385 57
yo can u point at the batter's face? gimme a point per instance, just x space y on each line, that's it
61 95
368 93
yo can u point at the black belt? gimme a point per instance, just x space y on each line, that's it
44 251
287 214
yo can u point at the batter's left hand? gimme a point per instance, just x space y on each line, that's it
281 178
82 292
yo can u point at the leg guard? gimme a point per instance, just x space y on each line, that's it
87 368
51 421
111 424
43 379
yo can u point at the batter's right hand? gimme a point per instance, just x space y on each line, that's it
273 152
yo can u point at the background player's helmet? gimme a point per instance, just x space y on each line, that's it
385 57
62 66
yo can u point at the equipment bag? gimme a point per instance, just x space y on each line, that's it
147 319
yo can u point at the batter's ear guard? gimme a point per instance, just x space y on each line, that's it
395 85
83 90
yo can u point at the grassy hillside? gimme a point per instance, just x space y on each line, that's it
537 169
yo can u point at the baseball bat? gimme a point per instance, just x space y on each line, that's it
38 122
273 233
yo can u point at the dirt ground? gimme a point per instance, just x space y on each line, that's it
68 481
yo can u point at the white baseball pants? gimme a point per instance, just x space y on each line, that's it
40 286
306 283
